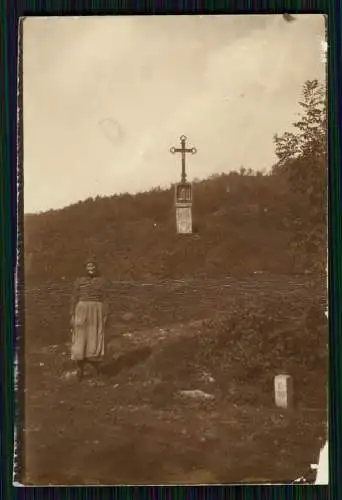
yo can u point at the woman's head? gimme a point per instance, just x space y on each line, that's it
91 266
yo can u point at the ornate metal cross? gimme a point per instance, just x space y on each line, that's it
183 150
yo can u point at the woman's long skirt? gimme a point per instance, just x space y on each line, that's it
88 331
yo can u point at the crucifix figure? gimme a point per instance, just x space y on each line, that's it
183 150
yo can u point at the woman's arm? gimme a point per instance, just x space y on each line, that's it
74 297
106 291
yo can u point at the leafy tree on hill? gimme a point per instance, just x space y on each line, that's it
302 161
309 137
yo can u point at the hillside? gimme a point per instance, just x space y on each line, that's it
240 226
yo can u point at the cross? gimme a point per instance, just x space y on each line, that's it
183 150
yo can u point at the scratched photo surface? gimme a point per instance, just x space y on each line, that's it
175 327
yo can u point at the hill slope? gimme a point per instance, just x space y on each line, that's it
240 226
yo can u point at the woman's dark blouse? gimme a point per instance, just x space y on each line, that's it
87 289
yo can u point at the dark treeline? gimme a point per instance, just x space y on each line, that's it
244 221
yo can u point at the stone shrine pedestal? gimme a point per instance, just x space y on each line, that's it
184 218
183 205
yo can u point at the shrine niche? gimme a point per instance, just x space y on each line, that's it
183 193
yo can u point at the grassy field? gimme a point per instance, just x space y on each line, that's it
133 425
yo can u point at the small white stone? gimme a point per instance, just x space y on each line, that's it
70 374
196 394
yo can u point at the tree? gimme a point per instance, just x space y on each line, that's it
309 137
302 160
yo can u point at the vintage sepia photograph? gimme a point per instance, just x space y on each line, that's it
175 324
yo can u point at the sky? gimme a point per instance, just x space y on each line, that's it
104 98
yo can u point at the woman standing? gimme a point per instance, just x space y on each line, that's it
89 314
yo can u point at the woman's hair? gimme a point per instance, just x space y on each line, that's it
91 260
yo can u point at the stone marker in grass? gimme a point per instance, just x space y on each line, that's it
283 391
